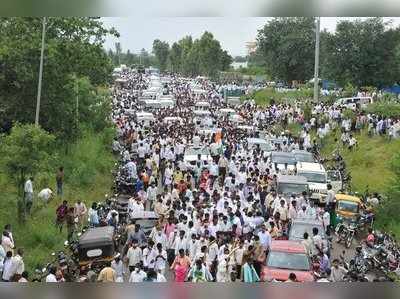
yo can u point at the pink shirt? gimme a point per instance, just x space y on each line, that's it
169 228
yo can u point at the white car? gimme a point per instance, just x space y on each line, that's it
192 153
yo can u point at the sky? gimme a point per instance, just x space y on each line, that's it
232 32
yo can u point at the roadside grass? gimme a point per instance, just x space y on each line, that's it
370 163
266 96
88 176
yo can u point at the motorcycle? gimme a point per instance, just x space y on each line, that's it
345 232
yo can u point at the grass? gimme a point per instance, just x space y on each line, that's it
88 177
265 96
369 164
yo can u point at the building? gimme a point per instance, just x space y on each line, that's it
251 47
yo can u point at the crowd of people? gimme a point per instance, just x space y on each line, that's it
219 212
218 216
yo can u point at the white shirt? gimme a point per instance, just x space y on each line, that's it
28 187
51 278
265 239
45 194
134 256
137 276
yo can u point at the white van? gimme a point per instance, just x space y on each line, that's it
317 179
353 102
145 117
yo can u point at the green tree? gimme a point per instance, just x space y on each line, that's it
287 47
72 46
361 52
175 57
26 151
161 51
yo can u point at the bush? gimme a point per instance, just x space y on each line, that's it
385 109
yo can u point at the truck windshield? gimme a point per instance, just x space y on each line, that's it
314 177
287 188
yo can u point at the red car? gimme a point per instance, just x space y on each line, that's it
285 257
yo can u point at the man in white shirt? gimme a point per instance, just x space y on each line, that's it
265 238
28 190
137 275
18 263
45 195
51 277
134 255
181 243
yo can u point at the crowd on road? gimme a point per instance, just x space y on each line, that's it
206 168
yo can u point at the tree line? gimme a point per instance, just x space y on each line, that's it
76 71
188 56
361 52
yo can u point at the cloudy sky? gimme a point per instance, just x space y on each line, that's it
232 32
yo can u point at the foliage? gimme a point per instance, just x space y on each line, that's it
73 49
252 70
287 47
361 52
26 151
39 235
349 90
202 56
161 51
385 109
268 96
387 215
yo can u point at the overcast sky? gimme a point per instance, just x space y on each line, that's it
233 33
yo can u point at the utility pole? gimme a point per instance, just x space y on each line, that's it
316 63
77 101
40 73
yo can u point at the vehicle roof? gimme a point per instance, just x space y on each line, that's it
347 197
302 152
144 215
256 140
202 103
282 154
298 179
307 221
97 235
287 246
317 167
144 114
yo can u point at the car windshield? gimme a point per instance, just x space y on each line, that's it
286 188
304 157
283 159
194 151
263 146
291 261
348 206
314 177
297 230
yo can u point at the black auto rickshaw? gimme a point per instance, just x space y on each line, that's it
96 247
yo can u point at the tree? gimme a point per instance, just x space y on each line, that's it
175 57
26 151
73 46
161 51
287 47
361 52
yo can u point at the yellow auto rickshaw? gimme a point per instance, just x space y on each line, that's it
348 207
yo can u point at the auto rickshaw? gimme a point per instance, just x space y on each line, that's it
96 247
348 207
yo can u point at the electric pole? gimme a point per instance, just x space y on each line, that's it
316 63
40 73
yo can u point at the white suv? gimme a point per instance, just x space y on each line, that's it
317 179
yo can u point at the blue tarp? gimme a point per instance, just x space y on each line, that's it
393 89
